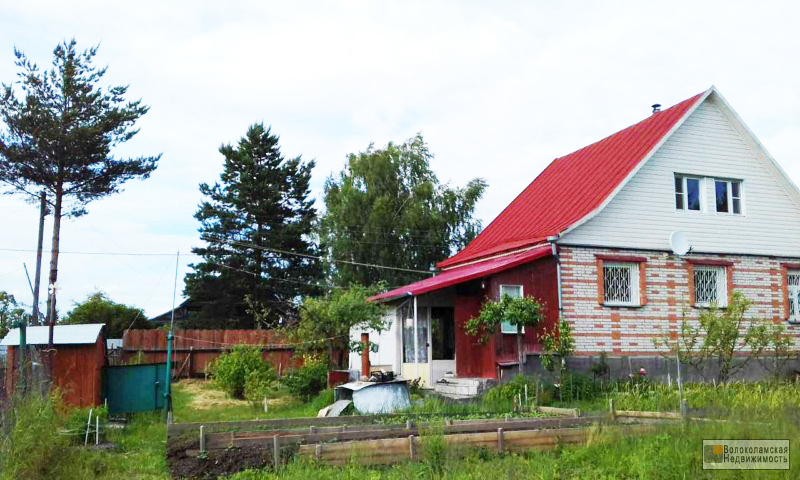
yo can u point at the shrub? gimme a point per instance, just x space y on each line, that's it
575 386
260 384
230 370
308 380
504 395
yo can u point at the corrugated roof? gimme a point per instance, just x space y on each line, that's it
465 274
62 335
572 187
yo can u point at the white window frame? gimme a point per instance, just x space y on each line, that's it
793 292
729 186
700 193
505 327
633 268
722 285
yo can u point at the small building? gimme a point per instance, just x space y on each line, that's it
623 239
78 359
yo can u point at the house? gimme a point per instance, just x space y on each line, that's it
78 359
594 239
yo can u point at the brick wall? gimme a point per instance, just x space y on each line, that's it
630 330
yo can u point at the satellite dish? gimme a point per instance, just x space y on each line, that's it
679 243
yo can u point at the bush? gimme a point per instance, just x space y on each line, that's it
231 370
30 445
308 380
507 393
579 387
260 384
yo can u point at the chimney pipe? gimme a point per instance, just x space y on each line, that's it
656 107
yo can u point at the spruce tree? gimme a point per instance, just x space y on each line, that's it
257 222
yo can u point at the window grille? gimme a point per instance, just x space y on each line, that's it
794 295
621 283
710 286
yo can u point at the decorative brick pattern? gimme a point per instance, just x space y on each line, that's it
667 287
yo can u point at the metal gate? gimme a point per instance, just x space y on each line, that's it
134 388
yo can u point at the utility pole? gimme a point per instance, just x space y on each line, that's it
42 214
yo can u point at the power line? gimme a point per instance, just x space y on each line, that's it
97 253
315 257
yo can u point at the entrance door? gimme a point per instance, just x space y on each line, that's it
443 342
415 353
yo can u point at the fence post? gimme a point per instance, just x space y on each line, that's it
412 447
97 430
611 408
276 452
500 441
202 439
88 427
318 451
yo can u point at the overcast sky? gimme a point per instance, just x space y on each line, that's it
498 89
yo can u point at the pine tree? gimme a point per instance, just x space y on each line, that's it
59 138
257 223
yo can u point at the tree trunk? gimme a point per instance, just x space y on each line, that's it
51 299
520 352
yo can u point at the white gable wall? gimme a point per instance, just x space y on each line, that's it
643 213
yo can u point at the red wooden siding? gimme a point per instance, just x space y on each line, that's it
538 280
77 372
193 350
472 358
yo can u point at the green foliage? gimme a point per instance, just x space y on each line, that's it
231 370
520 312
506 394
720 337
387 207
30 445
258 211
326 322
558 342
98 308
10 313
259 384
601 369
308 380
779 350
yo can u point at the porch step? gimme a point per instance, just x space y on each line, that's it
462 386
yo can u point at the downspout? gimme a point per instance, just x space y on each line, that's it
553 245
416 341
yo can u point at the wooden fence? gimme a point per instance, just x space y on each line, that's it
194 349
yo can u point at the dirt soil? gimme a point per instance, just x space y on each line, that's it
185 462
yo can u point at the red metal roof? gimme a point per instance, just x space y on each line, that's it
465 273
571 187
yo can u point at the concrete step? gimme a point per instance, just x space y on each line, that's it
462 386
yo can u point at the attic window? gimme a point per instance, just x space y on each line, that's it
728 195
687 193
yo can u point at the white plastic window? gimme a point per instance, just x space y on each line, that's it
728 196
513 291
710 286
688 193
620 283
794 295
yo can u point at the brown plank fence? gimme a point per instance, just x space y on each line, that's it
193 350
